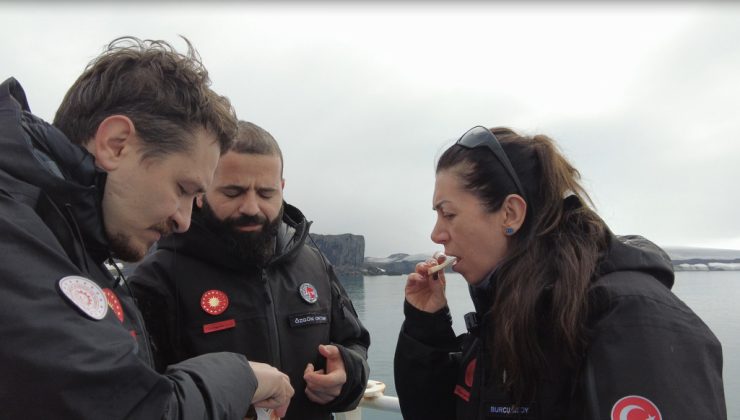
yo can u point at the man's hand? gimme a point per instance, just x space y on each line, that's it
273 388
321 387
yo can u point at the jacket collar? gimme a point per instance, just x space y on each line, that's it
482 293
201 243
39 154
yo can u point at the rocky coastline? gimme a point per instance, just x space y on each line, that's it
346 252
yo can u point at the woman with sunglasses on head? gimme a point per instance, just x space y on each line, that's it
570 321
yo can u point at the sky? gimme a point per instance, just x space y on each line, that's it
643 98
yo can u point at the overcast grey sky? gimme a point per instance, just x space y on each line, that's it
644 99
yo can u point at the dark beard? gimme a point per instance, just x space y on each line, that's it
251 247
120 247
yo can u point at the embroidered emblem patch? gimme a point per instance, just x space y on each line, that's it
87 296
214 302
114 303
308 292
635 407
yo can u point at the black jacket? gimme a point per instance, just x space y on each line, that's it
266 318
57 360
644 344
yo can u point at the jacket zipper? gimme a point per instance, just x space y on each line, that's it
274 333
147 350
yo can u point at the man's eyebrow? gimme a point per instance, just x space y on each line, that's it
232 187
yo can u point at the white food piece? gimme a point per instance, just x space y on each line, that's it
449 261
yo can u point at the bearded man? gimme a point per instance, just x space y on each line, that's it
243 279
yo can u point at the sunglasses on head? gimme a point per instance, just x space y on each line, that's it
481 136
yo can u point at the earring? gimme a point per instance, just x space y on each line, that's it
509 231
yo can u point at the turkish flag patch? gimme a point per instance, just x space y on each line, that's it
634 407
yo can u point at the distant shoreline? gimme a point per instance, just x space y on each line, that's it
346 252
400 264
371 271
708 266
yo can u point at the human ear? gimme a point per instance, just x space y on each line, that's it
515 211
113 140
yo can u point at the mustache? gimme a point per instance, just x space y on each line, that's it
248 220
164 228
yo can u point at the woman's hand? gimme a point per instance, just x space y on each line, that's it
426 292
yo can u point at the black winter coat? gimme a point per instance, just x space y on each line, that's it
82 354
266 318
648 355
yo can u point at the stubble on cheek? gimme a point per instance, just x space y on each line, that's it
122 247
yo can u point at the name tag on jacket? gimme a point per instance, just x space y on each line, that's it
308 318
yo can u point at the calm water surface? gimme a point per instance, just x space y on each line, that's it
379 302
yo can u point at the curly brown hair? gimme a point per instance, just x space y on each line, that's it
166 95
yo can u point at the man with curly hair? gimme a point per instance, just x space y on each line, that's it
135 139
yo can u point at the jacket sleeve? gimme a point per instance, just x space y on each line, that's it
151 287
652 348
58 363
212 386
425 366
353 340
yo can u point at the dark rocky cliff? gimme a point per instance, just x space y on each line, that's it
346 252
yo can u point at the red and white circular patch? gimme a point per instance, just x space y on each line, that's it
214 302
114 303
634 407
87 296
308 292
